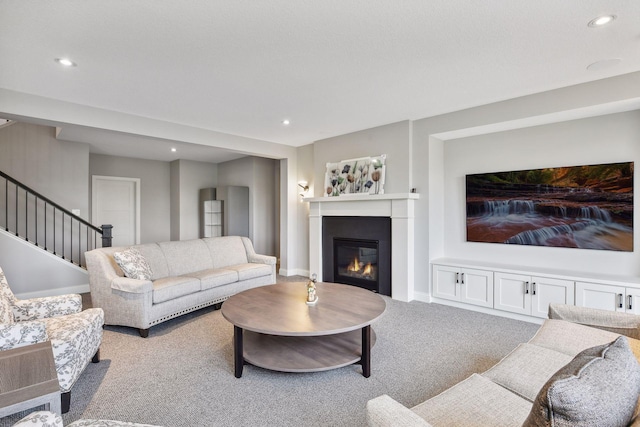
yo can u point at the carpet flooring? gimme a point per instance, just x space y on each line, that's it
182 375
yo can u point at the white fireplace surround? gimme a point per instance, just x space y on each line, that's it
399 207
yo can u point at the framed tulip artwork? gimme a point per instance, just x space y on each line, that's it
363 176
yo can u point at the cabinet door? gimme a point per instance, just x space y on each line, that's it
476 287
632 301
596 295
511 293
545 291
445 282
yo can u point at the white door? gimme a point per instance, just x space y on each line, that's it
476 287
446 282
511 293
116 201
545 291
596 295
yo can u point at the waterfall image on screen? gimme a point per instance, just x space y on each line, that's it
587 207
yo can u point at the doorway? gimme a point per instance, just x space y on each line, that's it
116 201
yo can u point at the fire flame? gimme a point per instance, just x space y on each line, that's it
367 270
355 265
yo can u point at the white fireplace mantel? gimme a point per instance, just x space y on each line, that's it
398 206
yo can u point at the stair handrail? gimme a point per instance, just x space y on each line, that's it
49 201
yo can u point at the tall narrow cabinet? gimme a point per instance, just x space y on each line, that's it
211 213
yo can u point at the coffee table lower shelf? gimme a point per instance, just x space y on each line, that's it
304 353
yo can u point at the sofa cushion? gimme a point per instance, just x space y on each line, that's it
186 256
226 251
215 277
620 323
173 287
599 387
156 259
526 369
133 264
251 271
476 401
570 338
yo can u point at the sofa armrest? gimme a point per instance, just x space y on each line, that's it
262 259
13 335
383 411
133 286
41 308
620 323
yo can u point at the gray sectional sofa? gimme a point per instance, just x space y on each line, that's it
538 384
184 276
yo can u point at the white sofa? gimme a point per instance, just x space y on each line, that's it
185 276
520 389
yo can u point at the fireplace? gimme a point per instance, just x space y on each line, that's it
357 251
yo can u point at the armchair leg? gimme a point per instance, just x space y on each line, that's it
144 333
96 357
65 402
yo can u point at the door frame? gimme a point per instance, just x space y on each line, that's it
94 199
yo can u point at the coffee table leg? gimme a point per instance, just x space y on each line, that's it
238 351
365 359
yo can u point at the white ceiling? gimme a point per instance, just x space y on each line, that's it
332 67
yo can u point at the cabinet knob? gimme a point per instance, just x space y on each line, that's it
457 277
462 278
526 287
630 302
533 288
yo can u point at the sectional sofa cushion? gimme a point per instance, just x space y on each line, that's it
186 256
620 323
156 259
476 401
570 338
599 387
226 252
213 278
526 369
174 287
251 271
133 264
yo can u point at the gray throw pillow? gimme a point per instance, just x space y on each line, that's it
599 387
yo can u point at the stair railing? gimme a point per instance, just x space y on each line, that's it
39 220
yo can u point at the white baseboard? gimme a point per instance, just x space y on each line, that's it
79 289
422 296
293 272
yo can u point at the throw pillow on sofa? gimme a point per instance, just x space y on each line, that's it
133 264
599 387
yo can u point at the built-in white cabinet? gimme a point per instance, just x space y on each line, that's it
465 285
530 295
608 297
212 218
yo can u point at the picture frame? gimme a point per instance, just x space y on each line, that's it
360 176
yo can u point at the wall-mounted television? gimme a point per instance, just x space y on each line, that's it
587 207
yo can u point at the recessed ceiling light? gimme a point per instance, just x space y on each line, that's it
66 62
173 150
286 122
601 20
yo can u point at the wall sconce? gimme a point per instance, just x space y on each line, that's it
305 188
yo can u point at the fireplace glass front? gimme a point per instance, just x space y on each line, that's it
356 262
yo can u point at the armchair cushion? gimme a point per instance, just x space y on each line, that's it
133 264
40 308
40 419
14 335
620 323
6 300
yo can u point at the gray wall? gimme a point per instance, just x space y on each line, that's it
187 178
394 140
57 169
154 191
258 174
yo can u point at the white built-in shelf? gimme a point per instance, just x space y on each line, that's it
363 197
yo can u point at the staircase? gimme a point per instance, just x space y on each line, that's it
38 220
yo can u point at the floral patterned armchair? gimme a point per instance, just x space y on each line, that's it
75 335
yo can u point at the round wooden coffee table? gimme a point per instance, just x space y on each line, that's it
275 329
